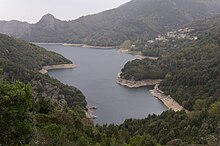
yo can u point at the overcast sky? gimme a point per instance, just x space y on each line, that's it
32 10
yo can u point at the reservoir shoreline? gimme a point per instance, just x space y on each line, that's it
138 55
47 68
76 45
169 102
88 112
88 80
136 84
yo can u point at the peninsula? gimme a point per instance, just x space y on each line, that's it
137 84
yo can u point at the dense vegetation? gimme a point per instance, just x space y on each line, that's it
172 40
189 73
140 70
28 55
137 19
31 116
15 118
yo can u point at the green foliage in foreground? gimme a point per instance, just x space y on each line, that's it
21 123
16 124
56 107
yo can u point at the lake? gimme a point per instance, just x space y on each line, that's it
96 75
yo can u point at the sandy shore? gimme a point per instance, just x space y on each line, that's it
137 84
41 43
45 69
138 55
168 101
72 45
88 46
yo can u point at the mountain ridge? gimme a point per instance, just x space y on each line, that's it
137 19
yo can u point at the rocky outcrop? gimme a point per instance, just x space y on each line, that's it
90 113
49 91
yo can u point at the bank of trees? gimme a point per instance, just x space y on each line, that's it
189 73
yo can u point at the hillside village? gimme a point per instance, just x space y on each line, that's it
177 34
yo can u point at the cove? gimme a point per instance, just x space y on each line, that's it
95 75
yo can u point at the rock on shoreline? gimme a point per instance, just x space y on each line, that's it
45 69
90 113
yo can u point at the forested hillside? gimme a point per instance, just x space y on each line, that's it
28 55
137 19
30 113
190 72
171 41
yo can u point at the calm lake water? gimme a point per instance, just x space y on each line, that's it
96 75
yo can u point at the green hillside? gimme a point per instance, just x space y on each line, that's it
29 112
28 55
190 72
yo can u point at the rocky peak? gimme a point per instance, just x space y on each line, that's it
47 17
48 21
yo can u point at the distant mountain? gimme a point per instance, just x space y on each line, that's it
137 19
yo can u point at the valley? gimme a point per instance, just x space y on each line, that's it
146 73
96 75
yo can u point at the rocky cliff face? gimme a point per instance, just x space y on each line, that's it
47 21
